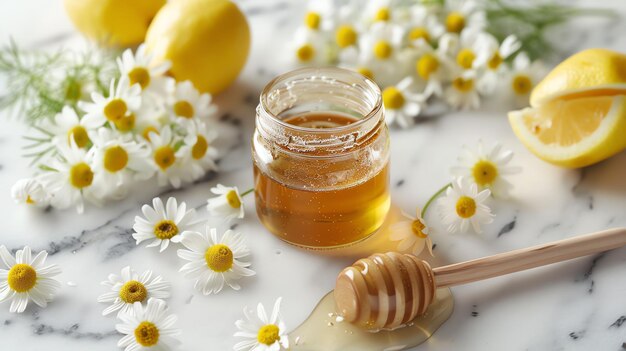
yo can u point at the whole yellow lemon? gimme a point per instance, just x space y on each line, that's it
207 41
113 22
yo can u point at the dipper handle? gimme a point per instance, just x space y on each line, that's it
519 260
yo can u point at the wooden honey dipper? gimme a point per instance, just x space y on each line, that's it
386 291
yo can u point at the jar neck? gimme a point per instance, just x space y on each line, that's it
323 91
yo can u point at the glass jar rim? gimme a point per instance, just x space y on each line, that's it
323 72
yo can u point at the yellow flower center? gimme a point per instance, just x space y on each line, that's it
147 334
115 110
463 85
455 22
164 157
184 109
22 277
484 172
29 200
133 291
79 133
165 229
125 123
233 199
465 58
345 36
465 207
495 61
419 33
427 65
418 228
393 98
305 53
115 158
366 72
139 75
382 50
81 175
521 84
199 148
219 258
312 20
146 132
268 334
382 14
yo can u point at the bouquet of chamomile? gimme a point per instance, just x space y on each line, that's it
102 124
452 51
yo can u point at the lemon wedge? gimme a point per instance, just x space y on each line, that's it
573 131
591 72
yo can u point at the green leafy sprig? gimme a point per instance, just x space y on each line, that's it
39 84
530 22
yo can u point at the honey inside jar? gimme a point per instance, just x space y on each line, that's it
314 217
320 154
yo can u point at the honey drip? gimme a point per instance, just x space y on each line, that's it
324 331
328 203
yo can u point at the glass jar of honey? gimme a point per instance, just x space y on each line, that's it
321 158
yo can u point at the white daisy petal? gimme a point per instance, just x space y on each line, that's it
463 206
213 261
153 319
34 283
250 329
487 168
132 287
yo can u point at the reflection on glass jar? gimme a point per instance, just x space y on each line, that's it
321 155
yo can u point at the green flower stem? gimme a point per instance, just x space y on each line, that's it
247 192
432 198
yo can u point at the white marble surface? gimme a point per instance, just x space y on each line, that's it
579 305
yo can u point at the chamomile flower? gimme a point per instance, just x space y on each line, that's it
118 160
24 278
123 101
462 14
379 54
310 47
492 56
357 60
228 204
413 235
346 37
523 77
488 168
214 261
382 41
402 105
433 66
467 48
202 153
131 287
163 224
30 191
424 28
188 104
379 11
320 15
71 179
149 328
67 125
463 206
262 333
168 158
462 93
142 69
